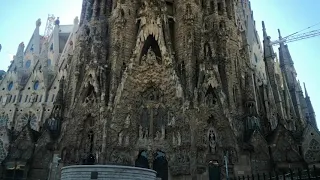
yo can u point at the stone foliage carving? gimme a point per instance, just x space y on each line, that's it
181 163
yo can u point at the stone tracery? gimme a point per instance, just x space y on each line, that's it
28 118
162 121
153 116
312 153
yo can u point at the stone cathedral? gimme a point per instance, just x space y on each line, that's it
170 85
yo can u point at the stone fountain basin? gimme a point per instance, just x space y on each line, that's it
106 172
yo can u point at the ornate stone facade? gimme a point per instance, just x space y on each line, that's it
163 84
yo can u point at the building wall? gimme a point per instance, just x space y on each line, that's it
28 91
175 97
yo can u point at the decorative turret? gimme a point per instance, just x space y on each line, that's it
268 50
36 36
311 116
54 121
187 21
269 56
289 73
18 59
251 120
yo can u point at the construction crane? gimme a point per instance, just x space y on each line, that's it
296 36
49 26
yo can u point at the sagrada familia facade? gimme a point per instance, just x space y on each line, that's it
170 85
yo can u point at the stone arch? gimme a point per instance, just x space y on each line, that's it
89 95
142 160
211 97
214 170
151 44
160 165
212 137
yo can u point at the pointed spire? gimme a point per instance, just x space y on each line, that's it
284 54
280 37
305 90
268 50
264 30
18 58
311 116
249 87
299 86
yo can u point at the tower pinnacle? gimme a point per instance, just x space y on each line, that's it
305 90
264 30
280 37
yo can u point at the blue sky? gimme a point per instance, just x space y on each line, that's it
18 19
291 16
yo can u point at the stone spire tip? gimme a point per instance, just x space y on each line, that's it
305 90
280 37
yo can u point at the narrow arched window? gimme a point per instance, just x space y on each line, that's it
10 86
36 85
28 63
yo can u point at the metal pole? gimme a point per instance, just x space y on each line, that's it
226 164
50 167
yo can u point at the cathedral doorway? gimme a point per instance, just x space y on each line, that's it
214 170
142 160
160 165
14 174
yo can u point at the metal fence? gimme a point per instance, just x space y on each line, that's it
307 174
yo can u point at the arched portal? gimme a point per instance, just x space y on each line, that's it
142 160
151 44
214 170
160 165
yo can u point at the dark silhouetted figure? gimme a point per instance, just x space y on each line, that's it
160 165
142 160
57 21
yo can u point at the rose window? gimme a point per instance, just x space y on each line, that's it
28 117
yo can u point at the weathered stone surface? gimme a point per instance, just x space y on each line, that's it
170 85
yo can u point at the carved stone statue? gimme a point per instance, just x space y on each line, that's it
76 20
212 141
150 58
127 121
120 138
38 22
171 119
176 138
160 123
144 123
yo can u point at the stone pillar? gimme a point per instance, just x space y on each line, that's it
36 40
55 35
74 31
